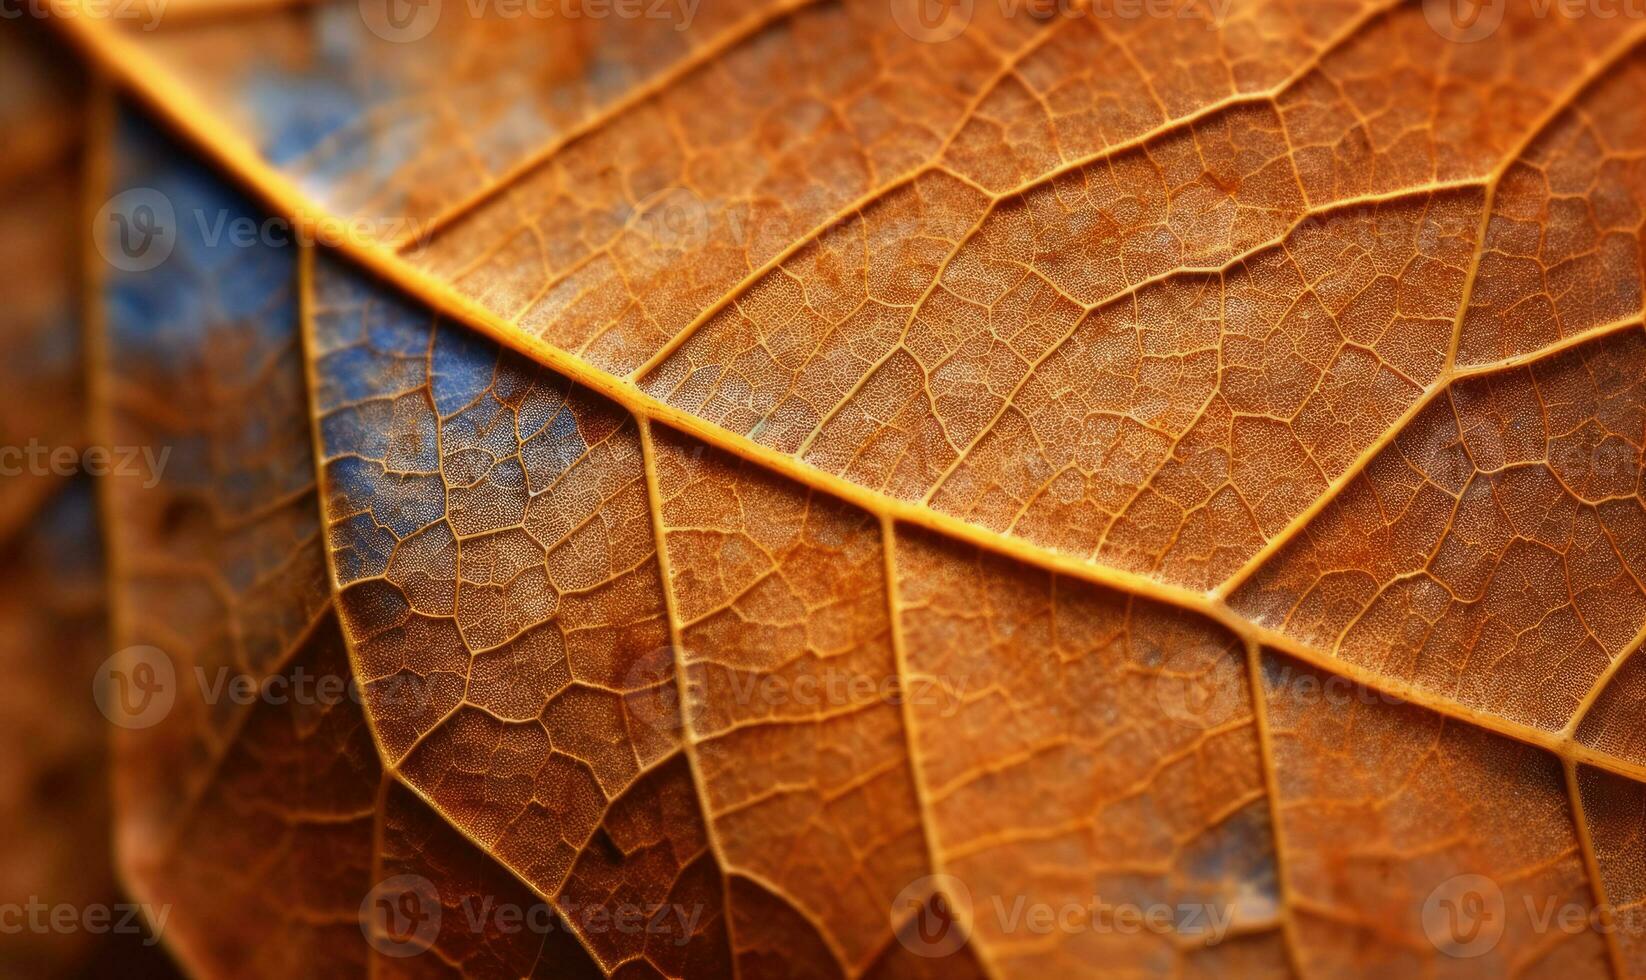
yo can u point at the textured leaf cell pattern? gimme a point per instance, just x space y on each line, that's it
800 488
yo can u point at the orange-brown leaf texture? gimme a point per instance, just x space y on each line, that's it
825 488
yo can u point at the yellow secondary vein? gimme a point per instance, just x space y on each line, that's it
1602 682
1271 785
688 733
1450 371
1591 864
730 38
305 326
1437 388
911 737
996 198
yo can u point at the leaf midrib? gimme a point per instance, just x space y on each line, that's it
174 101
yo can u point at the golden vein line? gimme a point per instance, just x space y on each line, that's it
1441 386
224 741
688 732
1222 271
118 566
311 384
1558 106
934 167
731 37
1271 785
922 791
1599 686
855 207
474 842
1591 864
